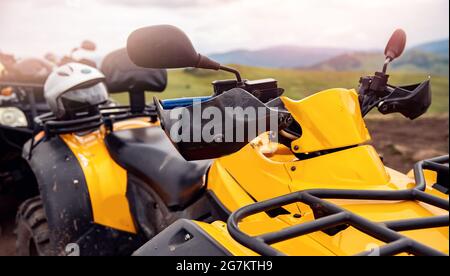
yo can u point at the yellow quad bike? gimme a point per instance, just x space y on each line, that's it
111 183
319 189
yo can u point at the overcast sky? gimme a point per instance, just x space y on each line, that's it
34 27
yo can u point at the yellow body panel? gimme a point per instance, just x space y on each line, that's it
232 195
430 179
363 171
330 119
271 180
264 170
354 168
218 231
106 180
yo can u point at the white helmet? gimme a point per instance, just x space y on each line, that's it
75 90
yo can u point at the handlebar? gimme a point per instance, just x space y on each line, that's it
183 102
411 101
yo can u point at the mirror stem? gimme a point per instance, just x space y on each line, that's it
386 64
231 70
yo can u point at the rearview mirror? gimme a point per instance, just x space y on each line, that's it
165 46
396 45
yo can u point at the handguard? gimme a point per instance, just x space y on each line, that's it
220 126
411 101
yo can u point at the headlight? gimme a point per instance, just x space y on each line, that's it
12 117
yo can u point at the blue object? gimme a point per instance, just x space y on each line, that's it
182 102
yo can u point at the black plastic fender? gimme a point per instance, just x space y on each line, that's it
67 205
182 238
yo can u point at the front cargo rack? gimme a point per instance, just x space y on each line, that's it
329 216
108 115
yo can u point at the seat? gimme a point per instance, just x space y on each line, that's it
148 154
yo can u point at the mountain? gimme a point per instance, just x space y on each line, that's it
279 57
429 58
427 62
439 48
352 61
432 58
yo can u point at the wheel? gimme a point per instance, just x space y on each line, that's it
33 233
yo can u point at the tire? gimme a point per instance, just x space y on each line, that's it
33 233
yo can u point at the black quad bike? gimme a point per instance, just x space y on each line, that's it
21 100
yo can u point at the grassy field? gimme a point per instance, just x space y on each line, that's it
297 83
